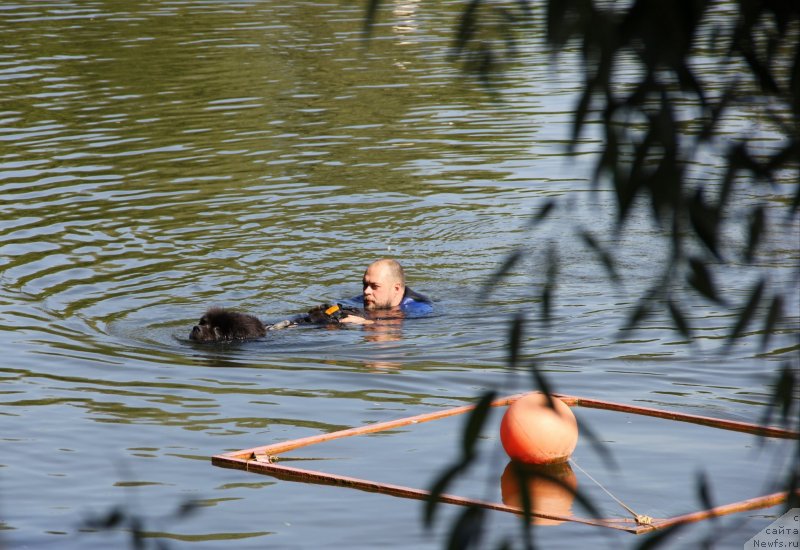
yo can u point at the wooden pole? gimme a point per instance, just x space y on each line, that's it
261 460
261 464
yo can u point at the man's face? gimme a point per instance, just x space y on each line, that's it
380 291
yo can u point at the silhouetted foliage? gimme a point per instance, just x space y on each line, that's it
658 122
472 430
125 518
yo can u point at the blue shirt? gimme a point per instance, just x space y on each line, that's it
413 304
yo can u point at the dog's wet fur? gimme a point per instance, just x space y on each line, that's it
223 325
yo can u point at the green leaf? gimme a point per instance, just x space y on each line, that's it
784 396
705 221
475 421
774 316
438 488
597 445
557 16
515 339
472 430
509 262
540 382
704 492
580 117
582 499
546 297
642 310
187 508
679 319
605 258
466 27
716 111
792 486
749 310
700 280
467 529
521 477
542 213
639 313
759 69
137 529
756 228
371 16
109 521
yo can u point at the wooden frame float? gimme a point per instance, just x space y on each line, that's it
262 460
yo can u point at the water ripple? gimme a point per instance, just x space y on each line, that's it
157 158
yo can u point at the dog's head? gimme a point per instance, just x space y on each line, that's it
219 324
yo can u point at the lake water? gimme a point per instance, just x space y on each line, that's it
159 157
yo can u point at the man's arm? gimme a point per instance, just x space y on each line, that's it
356 320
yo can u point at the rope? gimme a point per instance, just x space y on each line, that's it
641 519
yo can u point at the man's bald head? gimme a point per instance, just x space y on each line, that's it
393 269
384 284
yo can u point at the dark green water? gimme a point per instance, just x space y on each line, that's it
159 157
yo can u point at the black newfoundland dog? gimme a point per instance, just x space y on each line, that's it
223 325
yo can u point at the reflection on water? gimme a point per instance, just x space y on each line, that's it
551 489
157 158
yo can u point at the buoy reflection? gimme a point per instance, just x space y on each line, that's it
551 488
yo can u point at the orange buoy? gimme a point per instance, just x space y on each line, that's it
533 433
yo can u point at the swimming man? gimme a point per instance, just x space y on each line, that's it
385 292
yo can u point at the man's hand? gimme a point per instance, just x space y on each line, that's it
356 320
